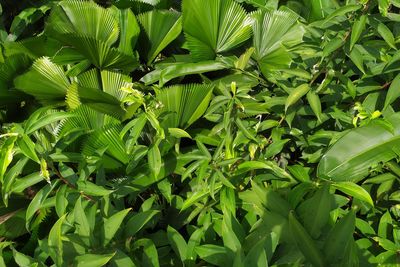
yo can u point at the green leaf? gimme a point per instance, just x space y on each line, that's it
217 255
340 237
55 241
38 201
138 221
150 254
357 58
6 156
332 46
112 224
304 242
357 29
184 104
92 189
393 92
161 27
92 31
315 103
155 160
352 155
28 148
81 222
273 32
46 81
178 133
129 31
296 94
314 211
214 26
354 190
341 12
387 35
177 242
93 260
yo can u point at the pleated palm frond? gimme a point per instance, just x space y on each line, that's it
45 81
161 27
184 104
214 26
129 30
138 6
9 69
86 120
101 90
272 30
12 66
107 81
107 139
93 31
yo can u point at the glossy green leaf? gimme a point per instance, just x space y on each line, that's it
351 156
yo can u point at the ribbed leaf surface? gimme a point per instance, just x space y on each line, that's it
184 104
45 81
214 26
161 27
271 29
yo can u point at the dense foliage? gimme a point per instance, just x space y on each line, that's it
200 132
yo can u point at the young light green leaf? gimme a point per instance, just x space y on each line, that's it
296 94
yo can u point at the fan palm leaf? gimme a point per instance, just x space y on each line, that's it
271 29
107 139
214 26
45 81
91 30
184 104
99 90
161 27
100 135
